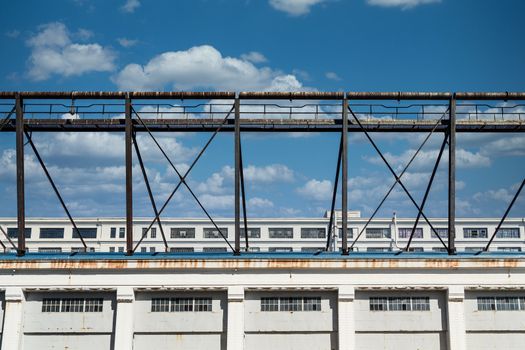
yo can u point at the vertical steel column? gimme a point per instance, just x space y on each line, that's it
452 177
129 176
20 175
344 180
237 177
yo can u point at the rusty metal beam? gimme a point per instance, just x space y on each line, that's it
344 179
117 95
129 177
237 181
20 183
452 177
291 95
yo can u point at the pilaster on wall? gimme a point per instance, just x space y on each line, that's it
124 322
235 332
457 337
346 317
11 336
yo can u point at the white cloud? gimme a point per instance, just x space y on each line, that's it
13 34
254 56
260 202
333 76
202 67
316 189
294 7
127 42
52 52
405 4
268 173
130 6
217 202
84 34
501 194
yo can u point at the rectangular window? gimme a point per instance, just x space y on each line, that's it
474 232
509 249
77 249
253 232
311 249
51 305
421 304
508 232
112 249
121 232
377 249
439 249
473 249
153 233
269 304
312 304
143 249
202 304
86 232
72 305
181 250
378 304
52 232
181 232
121 249
349 232
507 303
214 249
212 232
522 303
254 249
50 250
94 305
113 232
286 232
486 304
313 232
152 249
181 304
160 305
291 304
378 232
280 249
441 231
416 249
399 304
406 232
12 232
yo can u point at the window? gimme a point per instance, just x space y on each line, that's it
378 232
181 250
280 249
179 232
399 304
269 304
94 305
509 249
50 250
252 232
112 249
378 304
86 232
160 305
51 305
72 305
311 249
416 249
500 303
377 249
312 304
77 249
152 249
214 249
202 304
153 233
441 231
214 233
311 232
281 232
121 232
421 303
475 233
486 304
143 249
113 232
121 249
52 232
182 304
291 304
349 232
405 232
473 249
12 232
439 249
507 303
508 232
254 249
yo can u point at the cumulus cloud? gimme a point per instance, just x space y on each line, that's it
124 42
316 189
405 4
295 7
254 56
332 76
53 53
257 202
130 6
268 173
202 67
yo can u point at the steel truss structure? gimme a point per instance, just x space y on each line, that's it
359 112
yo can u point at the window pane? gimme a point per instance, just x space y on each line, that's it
269 304
291 304
475 232
94 304
52 232
113 232
181 250
507 303
121 232
86 232
442 232
214 249
72 305
281 232
214 233
202 304
378 232
378 304
51 305
313 232
421 304
406 232
312 304
399 304
181 304
160 305
254 232
12 232
349 232
508 232
181 232
486 304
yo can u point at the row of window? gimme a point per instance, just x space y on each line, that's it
72 305
291 304
181 305
399 304
501 303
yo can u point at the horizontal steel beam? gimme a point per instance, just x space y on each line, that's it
113 95
291 95
399 95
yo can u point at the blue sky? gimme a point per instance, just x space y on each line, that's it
324 45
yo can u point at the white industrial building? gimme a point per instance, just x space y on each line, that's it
280 296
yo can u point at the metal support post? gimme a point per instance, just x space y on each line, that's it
344 180
237 178
452 177
20 175
129 177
